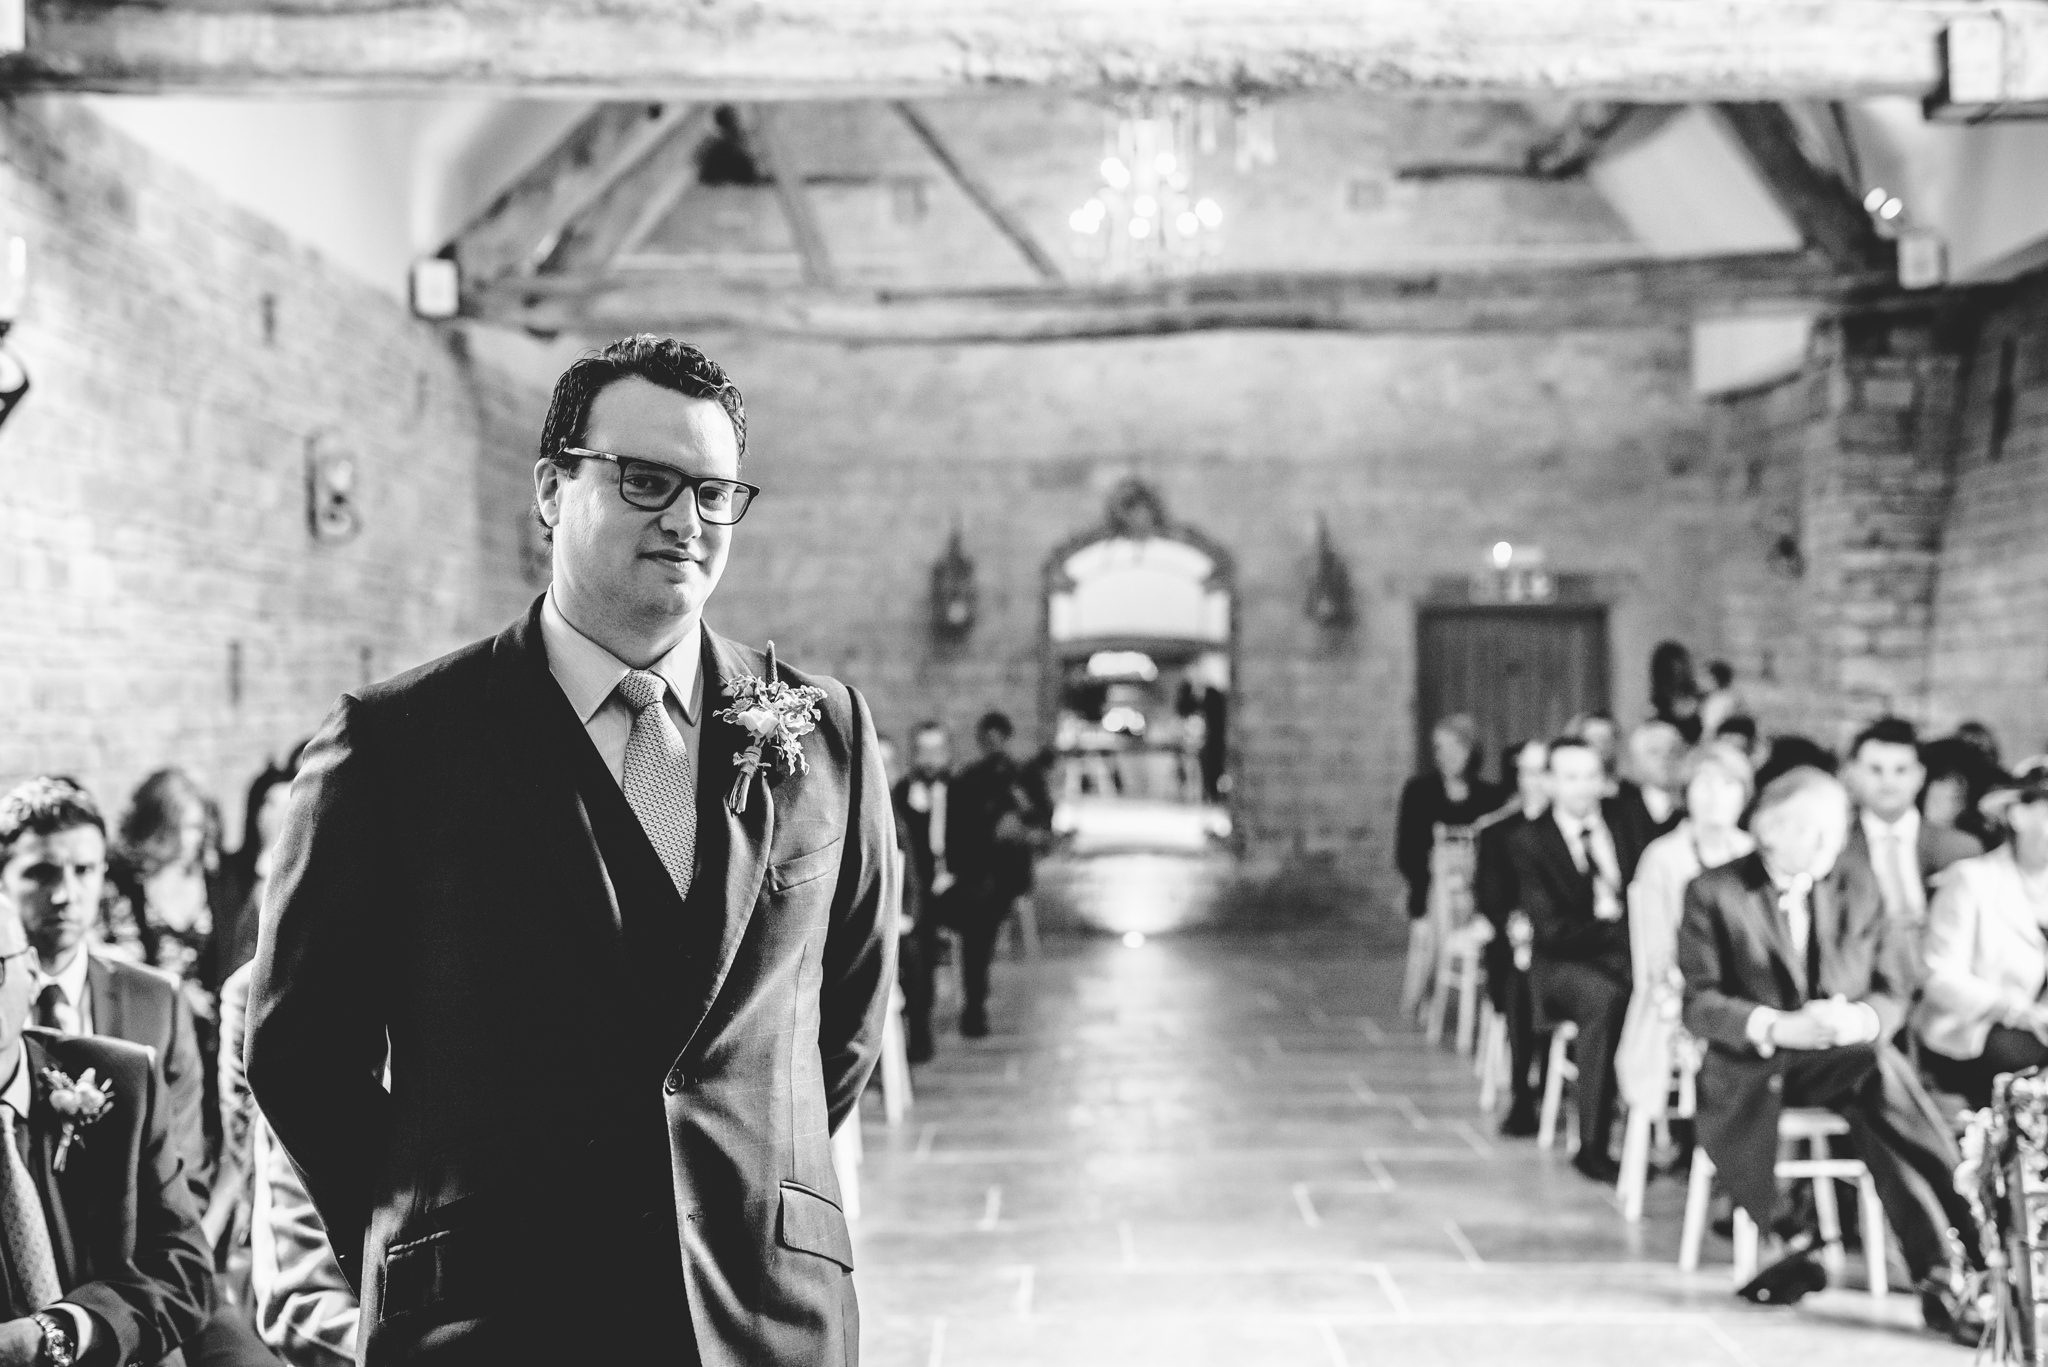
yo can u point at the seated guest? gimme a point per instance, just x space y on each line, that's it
1650 798
1987 949
1598 730
1499 901
249 867
1958 777
172 885
1449 794
1716 793
1795 978
1889 838
1675 692
1786 753
1572 870
53 859
99 1238
1722 703
1978 735
1740 731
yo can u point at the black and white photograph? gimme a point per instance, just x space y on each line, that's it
957 683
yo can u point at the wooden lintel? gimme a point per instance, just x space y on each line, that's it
524 225
1655 51
979 193
779 163
1520 299
1826 211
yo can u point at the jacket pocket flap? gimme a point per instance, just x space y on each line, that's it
812 1224
805 867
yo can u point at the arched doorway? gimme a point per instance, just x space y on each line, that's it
1140 663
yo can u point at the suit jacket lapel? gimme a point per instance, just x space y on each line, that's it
1826 903
109 1003
749 834
1770 923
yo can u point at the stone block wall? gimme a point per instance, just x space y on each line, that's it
161 597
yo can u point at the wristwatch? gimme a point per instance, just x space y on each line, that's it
60 1348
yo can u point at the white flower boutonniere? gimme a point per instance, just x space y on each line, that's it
79 1103
774 714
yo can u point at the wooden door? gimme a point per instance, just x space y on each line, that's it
1521 672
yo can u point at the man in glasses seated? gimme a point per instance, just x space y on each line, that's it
630 985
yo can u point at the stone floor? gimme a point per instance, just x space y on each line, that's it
1226 1148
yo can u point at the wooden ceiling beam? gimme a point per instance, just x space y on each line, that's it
594 238
1518 299
778 162
1827 212
980 194
1654 51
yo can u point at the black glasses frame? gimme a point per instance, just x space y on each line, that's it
6 958
692 483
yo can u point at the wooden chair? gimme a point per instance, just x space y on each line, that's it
1561 1071
1682 1092
1495 1059
895 1069
1457 937
1813 1128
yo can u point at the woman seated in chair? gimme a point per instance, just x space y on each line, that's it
1986 949
1450 795
1717 789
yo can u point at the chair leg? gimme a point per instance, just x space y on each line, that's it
1828 1213
1699 1197
1876 1241
896 1095
1026 915
1553 1095
1468 1001
1745 1246
1635 1164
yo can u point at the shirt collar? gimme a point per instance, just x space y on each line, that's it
72 979
1906 827
588 673
1575 825
16 1093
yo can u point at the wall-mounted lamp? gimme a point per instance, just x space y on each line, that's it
331 489
1329 585
13 289
955 600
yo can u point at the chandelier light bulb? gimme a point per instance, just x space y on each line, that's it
1166 163
1141 228
1188 224
1145 206
1081 221
1891 208
1210 212
1115 173
1503 554
1876 198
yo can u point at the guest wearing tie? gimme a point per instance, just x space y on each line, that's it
1573 872
1650 798
1889 838
920 798
1796 978
1499 900
101 1258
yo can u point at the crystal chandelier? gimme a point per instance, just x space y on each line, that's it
1146 219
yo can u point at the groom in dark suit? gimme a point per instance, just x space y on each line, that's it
623 1017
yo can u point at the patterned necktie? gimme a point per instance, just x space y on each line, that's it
51 1008
29 1252
657 779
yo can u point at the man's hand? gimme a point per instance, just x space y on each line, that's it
1805 1028
21 1343
942 883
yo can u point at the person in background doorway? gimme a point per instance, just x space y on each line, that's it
1674 691
1507 953
919 798
1722 700
1903 852
1651 798
1958 778
1987 949
996 820
1450 794
1572 870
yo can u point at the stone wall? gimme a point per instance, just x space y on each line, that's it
164 600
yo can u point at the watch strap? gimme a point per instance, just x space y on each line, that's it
60 1345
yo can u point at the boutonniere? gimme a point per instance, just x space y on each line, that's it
78 1104
772 713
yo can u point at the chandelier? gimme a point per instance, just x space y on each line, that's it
1146 218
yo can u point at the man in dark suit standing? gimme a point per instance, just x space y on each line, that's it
1499 900
630 985
101 1258
997 811
1796 979
1572 870
1888 839
921 801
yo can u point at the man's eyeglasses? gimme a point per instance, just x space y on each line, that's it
5 959
653 487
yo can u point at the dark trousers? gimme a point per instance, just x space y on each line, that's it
978 932
2005 1051
1593 995
1509 990
1892 1128
916 965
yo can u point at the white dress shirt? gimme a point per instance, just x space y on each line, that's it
74 1013
589 676
16 1096
1859 1023
1592 847
1895 858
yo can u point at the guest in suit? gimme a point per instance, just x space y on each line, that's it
1599 730
1450 794
1573 870
1795 978
249 866
101 1259
996 816
1717 791
50 826
1903 852
1987 949
1651 797
920 798
1499 900
629 988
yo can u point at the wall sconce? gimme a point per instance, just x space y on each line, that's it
1329 586
331 489
13 289
955 599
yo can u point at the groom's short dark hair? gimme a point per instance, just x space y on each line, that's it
658 360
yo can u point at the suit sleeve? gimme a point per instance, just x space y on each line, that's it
316 1028
1711 1013
1493 879
185 1090
1560 932
860 948
164 1293
1413 836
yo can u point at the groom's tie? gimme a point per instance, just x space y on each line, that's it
29 1252
657 779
